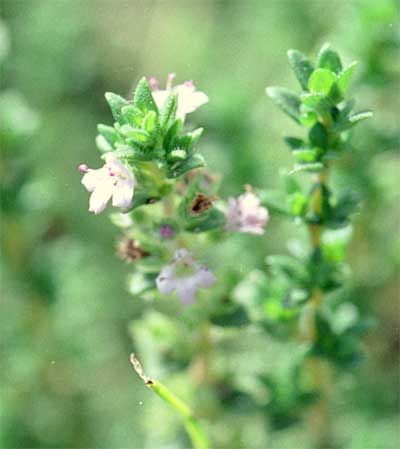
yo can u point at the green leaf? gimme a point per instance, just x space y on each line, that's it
321 81
298 204
320 105
138 135
109 133
191 163
359 116
344 77
102 144
335 243
294 143
133 115
128 152
171 133
143 98
125 151
122 220
306 155
318 136
313 100
177 155
116 104
137 152
341 116
287 100
167 114
187 141
329 59
346 205
308 118
195 136
347 107
182 142
347 122
312 167
142 198
150 122
335 95
301 67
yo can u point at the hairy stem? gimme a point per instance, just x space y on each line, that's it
317 368
194 430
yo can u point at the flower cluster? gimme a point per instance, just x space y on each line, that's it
150 160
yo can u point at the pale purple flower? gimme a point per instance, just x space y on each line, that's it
245 214
114 180
185 276
188 98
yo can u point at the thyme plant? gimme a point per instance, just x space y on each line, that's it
171 218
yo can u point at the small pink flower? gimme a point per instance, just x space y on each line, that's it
185 276
188 98
114 180
246 215
166 231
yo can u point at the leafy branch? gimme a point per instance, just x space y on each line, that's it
321 108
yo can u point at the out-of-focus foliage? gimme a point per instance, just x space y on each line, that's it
67 319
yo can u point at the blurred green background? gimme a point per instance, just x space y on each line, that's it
65 378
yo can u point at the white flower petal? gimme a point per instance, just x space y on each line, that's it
99 199
248 202
93 177
186 291
204 278
166 280
198 99
188 99
122 195
160 97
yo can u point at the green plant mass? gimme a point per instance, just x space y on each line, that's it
187 262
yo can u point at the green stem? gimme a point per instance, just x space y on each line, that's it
196 434
318 370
